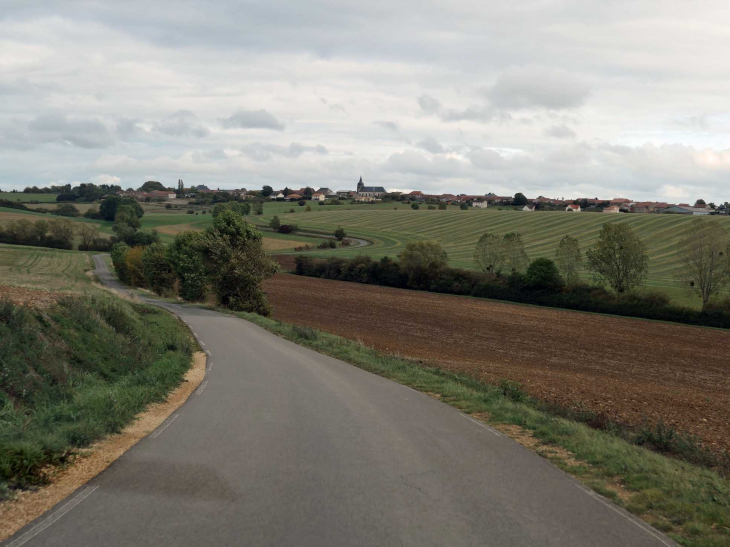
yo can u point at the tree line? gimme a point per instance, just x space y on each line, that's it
227 261
618 265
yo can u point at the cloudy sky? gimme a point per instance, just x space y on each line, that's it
585 98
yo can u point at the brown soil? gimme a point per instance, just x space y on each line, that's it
631 370
28 297
29 505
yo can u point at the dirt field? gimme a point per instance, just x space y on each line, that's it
630 369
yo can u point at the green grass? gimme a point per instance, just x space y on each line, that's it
26 198
41 268
689 503
458 231
65 384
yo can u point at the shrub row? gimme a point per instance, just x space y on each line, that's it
513 288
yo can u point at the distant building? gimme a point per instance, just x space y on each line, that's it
686 210
480 204
416 195
327 192
612 209
369 191
573 208
529 207
318 196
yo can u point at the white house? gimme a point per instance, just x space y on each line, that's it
529 207
280 195
573 208
480 204
612 209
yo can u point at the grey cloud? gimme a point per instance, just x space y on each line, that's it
81 132
428 104
485 159
560 132
262 152
390 126
252 119
429 144
182 123
537 87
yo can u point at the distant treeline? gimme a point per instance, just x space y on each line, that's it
515 287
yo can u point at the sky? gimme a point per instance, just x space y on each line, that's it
582 98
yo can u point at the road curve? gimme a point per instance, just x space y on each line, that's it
281 445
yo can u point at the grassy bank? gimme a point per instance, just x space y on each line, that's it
64 383
688 502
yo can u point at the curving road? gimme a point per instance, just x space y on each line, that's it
281 445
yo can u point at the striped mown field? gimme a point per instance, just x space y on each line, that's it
458 231
46 269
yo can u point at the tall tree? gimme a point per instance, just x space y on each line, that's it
619 258
266 191
568 259
515 257
519 199
489 253
704 255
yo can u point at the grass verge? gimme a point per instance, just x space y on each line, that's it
689 503
64 383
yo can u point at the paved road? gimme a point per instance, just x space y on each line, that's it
283 446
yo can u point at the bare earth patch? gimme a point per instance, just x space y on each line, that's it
29 505
28 297
628 369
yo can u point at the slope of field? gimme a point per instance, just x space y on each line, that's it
458 231
629 369
47 269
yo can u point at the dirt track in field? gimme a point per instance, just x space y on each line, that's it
629 369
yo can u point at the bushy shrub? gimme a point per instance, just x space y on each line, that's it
158 270
543 275
431 207
442 206
288 228
415 206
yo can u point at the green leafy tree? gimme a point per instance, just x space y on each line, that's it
237 263
519 199
442 206
704 256
186 254
422 262
489 254
619 258
62 230
415 206
108 207
151 186
66 210
308 192
463 206
239 207
515 257
274 223
569 259
266 191
258 208
340 233
158 270
543 275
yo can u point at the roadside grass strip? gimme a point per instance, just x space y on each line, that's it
689 503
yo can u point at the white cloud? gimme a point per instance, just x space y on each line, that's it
560 132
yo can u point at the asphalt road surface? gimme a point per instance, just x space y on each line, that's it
283 446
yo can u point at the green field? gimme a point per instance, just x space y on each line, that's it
47 269
458 231
27 198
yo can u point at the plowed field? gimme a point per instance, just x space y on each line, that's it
629 369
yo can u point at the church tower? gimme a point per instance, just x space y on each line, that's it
360 185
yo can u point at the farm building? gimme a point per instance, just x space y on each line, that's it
529 207
318 196
573 208
480 204
612 209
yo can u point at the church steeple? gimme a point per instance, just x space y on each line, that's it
360 184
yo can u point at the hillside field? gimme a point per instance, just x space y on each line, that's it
458 231
46 269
